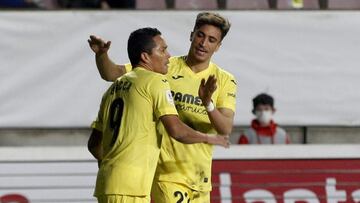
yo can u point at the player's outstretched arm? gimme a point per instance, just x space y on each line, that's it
94 144
222 119
182 133
108 70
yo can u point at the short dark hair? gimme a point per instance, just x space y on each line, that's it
215 19
263 99
141 40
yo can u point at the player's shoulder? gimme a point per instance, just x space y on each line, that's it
125 77
176 62
177 59
142 78
159 79
223 76
220 71
154 79
144 74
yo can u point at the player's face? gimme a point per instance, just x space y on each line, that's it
204 42
159 56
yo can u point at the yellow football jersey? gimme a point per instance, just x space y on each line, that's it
191 164
129 112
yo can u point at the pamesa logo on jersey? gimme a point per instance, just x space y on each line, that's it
186 98
185 102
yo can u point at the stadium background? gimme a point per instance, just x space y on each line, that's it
307 59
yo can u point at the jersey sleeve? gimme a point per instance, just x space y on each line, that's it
163 103
98 123
227 93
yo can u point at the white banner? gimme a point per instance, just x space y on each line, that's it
306 60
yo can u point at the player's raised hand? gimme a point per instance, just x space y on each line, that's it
222 140
98 45
206 89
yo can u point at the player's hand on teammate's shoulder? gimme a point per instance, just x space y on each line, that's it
222 140
98 45
207 88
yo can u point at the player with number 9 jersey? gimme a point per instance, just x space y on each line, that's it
130 156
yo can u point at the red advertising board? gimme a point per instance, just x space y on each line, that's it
286 181
241 174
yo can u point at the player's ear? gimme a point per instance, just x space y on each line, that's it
145 57
191 36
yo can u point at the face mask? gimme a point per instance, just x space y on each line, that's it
264 117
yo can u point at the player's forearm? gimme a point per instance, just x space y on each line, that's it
94 144
222 124
181 132
108 70
187 135
96 152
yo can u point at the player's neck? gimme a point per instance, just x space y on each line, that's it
146 66
195 65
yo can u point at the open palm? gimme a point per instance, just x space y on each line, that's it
206 89
98 45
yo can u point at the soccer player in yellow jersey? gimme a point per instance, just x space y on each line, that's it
124 137
184 171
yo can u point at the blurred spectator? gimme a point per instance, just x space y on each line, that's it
18 4
272 4
48 4
263 128
103 4
125 4
87 4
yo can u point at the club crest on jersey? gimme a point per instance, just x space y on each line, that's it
169 96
